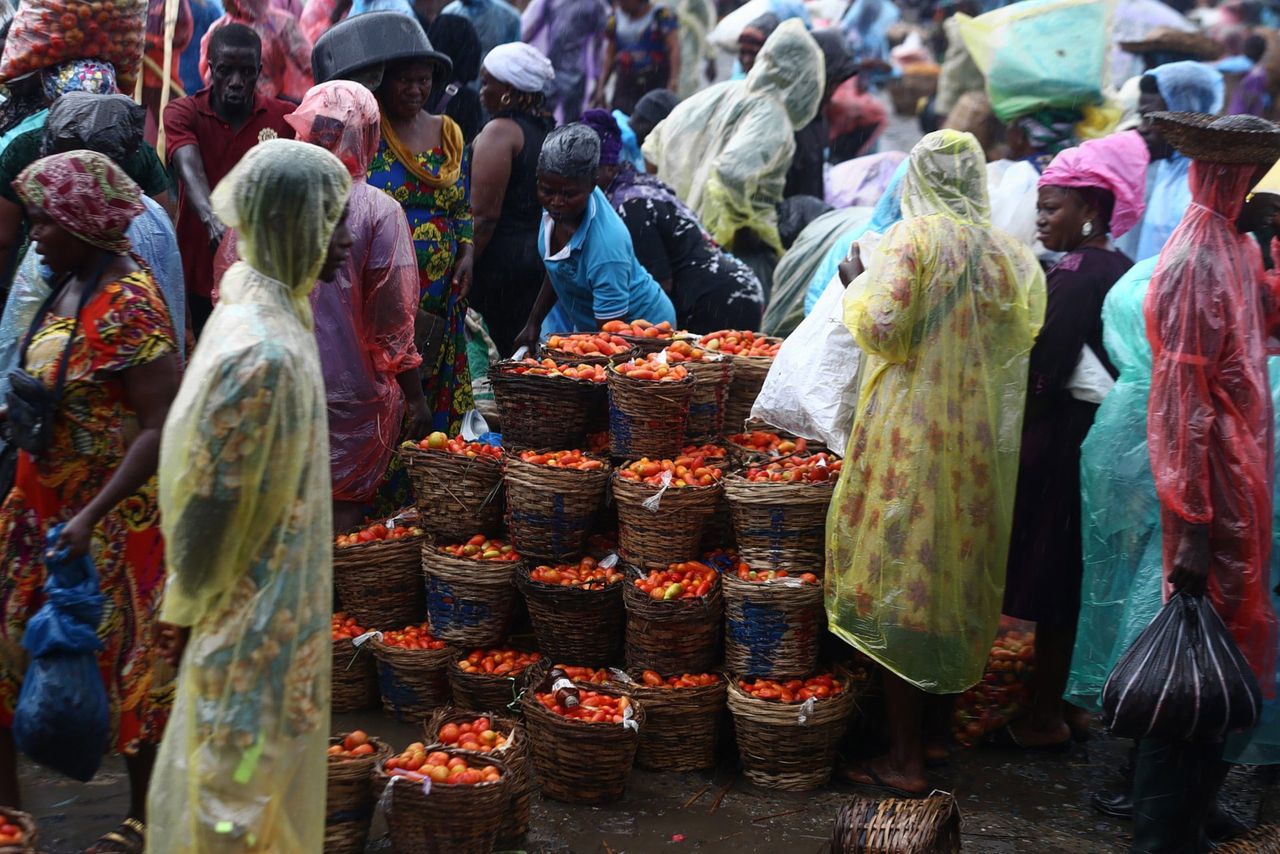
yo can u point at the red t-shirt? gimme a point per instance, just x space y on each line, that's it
192 121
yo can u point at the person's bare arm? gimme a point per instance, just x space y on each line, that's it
606 71
492 152
190 169
532 331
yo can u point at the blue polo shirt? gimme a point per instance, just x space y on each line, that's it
596 275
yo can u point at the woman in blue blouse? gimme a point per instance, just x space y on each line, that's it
592 272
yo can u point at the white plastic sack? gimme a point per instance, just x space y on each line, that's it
725 35
1090 381
812 388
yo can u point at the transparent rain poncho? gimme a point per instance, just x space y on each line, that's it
244 498
1210 421
697 17
364 316
918 530
743 134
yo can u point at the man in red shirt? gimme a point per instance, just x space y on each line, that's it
206 135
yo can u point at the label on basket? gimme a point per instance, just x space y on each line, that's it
629 720
806 709
821 463
661 357
609 561
426 786
651 503
361 640
620 676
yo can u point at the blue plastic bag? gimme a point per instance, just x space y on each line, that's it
62 719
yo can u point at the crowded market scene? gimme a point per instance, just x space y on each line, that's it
738 425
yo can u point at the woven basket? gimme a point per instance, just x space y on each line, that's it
648 418
560 357
680 636
469 602
780 525
550 511
573 624
449 820
898 826
1263 839
577 762
413 682
544 412
682 726
355 678
741 455
655 539
349 799
909 92
644 346
457 496
748 378
772 629
780 752
710 394
29 834
498 694
380 582
514 754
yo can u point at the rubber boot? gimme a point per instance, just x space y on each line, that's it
1175 785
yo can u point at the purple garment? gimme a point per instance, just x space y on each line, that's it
571 34
1251 96
630 184
293 7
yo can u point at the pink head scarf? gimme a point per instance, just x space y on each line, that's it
1116 163
342 117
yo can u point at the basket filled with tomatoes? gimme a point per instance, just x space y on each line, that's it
355 675
752 355
646 337
443 799
45 33
456 484
712 373
576 609
17 832
553 498
780 511
718 532
546 404
683 714
501 737
494 678
757 445
349 799
377 571
586 348
788 731
663 508
471 590
773 621
582 740
675 618
413 672
649 399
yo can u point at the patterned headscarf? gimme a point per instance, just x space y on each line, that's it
86 194
606 127
1050 130
79 75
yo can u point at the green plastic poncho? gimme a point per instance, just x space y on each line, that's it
726 150
918 530
244 498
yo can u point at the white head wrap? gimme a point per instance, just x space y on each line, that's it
520 65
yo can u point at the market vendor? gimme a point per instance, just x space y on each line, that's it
593 275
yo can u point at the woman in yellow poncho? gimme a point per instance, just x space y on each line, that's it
919 528
244 503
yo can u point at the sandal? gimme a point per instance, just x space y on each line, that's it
866 777
129 838
1004 739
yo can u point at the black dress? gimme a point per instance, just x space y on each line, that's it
509 274
455 37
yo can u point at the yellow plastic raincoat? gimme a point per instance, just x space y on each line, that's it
244 499
918 530
726 150
697 17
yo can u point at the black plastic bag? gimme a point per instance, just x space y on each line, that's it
1183 679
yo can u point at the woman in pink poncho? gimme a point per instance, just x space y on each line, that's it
286 52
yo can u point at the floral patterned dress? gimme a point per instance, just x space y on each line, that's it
122 326
440 221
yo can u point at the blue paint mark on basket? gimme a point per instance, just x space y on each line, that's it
760 629
566 530
446 611
395 693
779 536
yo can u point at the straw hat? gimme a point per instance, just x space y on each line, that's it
1220 139
1194 44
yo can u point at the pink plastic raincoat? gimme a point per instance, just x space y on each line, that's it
286 52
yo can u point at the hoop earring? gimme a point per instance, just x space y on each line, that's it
505 100
1086 229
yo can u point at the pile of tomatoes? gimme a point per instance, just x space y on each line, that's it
818 687
685 471
47 33
588 344
764 442
683 351
687 580
11 834
586 573
439 767
598 676
563 460
345 628
653 369
598 443
375 532
817 468
592 707
477 735
497 662
481 547
652 679
639 329
457 445
737 343
760 576
549 368
355 745
709 452
412 637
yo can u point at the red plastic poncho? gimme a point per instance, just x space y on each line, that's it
1209 423
286 52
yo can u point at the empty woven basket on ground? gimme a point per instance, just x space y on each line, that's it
868 825
456 495
444 819
1263 839
349 798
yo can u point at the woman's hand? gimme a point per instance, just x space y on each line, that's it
418 420
76 536
1190 571
462 270
851 267
528 337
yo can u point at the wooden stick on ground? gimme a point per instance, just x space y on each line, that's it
720 795
695 796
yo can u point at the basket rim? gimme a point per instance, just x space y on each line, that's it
488 758
1192 135
612 375
502 370
413 449
612 689
525 573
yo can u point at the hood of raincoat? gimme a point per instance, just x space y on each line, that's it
947 175
284 200
1189 87
1221 187
351 132
790 69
